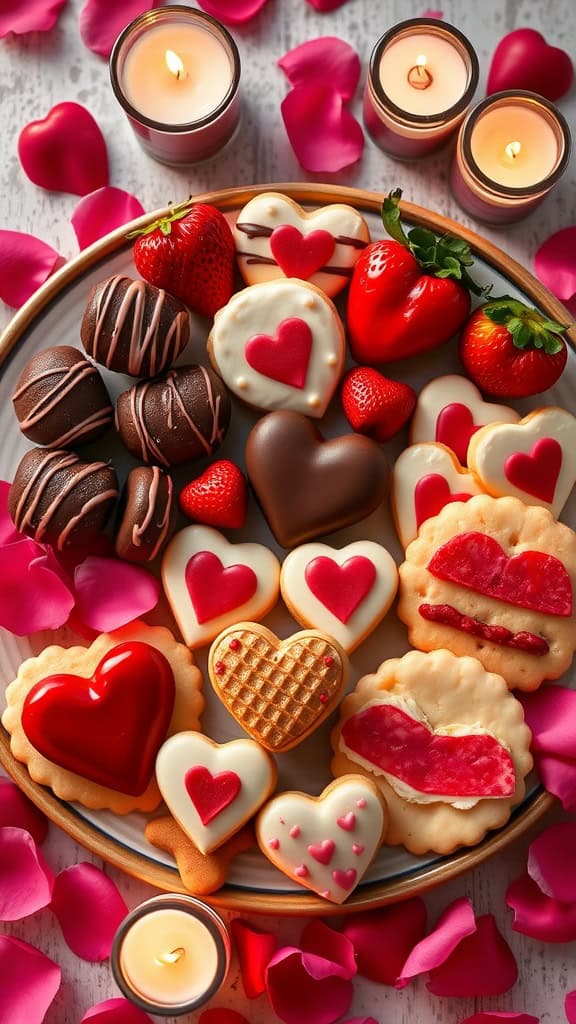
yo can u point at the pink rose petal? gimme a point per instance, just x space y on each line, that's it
322 941
26 881
326 5
454 925
558 777
555 265
232 12
32 595
361 1020
500 1017
101 21
25 263
295 979
89 909
29 982
383 939
538 916
115 1011
321 60
8 532
570 1007
65 151
551 716
551 861
433 14
481 965
21 16
110 593
102 211
17 811
322 132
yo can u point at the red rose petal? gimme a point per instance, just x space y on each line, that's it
326 5
524 60
321 60
538 916
25 263
232 12
33 595
21 16
454 925
220 1015
500 1017
101 212
295 980
383 939
551 860
29 982
26 881
17 811
361 1020
255 949
65 151
115 1011
101 21
555 265
322 132
570 1007
89 909
558 776
481 965
109 593
322 941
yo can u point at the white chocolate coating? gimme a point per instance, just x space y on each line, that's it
412 465
447 390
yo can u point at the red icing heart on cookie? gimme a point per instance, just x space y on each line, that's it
211 794
454 428
300 255
323 852
284 358
107 728
536 473
214 589
431 493
340 588
473 765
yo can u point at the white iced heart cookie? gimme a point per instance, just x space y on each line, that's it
279 345
276 238
211 583
345 592
325 843
213 789
450 409
424 479
534 460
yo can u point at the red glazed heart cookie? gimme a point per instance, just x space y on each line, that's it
425 478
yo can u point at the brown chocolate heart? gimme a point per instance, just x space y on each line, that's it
307 486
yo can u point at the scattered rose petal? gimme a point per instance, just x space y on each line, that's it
17 811
558 777
33 595
551 715
455 924
110 593
255 949
524 60
21 16
551 860
326 5
115 1011
65 151
538 916
322 132
26 881
220 1015
89 909
25 263
29 981
481 965
102 211
382 939
570 1007
101 21
321 940
232 12
295 979
361 1020
321 60
433 14
500 1017
555 265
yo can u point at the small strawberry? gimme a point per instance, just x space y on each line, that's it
219 497
376 405
191 254
511 350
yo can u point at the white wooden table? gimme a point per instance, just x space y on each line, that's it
38 71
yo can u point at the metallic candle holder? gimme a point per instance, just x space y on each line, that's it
398 132
192 141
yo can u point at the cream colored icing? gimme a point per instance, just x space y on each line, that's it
447 390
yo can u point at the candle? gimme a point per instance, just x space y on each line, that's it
511 150
171 955
423 74
176 72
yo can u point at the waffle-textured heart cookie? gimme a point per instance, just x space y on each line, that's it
279 691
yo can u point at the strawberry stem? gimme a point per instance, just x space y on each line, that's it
528 328
177 212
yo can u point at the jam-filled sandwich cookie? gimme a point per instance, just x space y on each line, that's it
345 592
325 843
275 238
148 513
445 742
280 345
89 721
495 579
201 873
450 410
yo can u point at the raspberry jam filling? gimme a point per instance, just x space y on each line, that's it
449 616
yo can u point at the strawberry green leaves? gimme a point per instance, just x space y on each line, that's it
529 329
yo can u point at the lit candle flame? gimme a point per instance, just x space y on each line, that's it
419 76
172 957
175 65
513 150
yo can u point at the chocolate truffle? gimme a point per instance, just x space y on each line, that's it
179 417
133 327
60 500
148 514
60 399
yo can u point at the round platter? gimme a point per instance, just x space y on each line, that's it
52 317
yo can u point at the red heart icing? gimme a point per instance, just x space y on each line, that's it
536 473
524 60
284 358
214 589
431 493
211 794
107 728
532 579
65 152
340 588
459 766
345 879
300 255
454 428
323 852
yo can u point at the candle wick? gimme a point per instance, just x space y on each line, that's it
172 957
419 77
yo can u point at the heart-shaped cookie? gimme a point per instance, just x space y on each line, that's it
279 345
307 486
345 592
277 690
276 238
211 583
324 843
426 477
213 789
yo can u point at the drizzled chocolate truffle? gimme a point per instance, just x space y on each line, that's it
133 327
60 500
60 399
182 416
147 517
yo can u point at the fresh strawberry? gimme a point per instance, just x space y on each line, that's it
219 497
511 350
191 254
376 405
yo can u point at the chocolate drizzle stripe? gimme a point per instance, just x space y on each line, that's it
101 418
46 518
252 259
144 341
88 506
23 515
171 379
138 531
217 435
263 231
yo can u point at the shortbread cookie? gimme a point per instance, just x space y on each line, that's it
425 478
345 592
98 719
495 579
201 873
276 238
213 789
211 583
280 345
445 742
279 691
534 460
325 843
